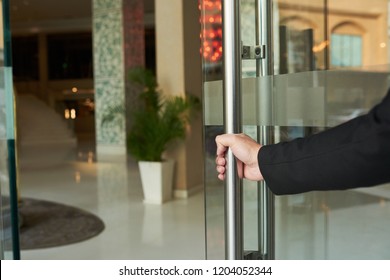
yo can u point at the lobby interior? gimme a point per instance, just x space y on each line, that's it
58 160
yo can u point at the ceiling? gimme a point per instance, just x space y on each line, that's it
33 13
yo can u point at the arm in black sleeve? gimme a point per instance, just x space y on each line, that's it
351 155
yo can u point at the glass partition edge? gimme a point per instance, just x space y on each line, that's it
10 130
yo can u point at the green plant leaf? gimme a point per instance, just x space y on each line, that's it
160 119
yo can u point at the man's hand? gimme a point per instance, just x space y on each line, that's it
245 149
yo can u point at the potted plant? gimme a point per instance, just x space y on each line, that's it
158 121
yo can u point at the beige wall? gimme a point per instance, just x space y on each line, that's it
170 46
179 72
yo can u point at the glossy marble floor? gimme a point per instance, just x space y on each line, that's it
333 225
112 191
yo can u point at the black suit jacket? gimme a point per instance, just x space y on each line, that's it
353 154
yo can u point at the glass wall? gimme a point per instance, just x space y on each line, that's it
330 63
9 233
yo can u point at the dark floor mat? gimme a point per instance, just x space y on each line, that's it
48 224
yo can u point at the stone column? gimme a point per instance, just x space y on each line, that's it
118 43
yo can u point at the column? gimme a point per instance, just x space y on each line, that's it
118 44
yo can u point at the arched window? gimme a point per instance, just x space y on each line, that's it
346 45
298 23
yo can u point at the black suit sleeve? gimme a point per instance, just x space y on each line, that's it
351 155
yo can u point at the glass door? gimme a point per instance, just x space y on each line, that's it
9 226
329 63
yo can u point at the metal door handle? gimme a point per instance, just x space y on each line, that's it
232 115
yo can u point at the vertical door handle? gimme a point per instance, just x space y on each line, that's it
232 120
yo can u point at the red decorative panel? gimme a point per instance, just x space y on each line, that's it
134 33
211 35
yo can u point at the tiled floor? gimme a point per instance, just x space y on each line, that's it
111 190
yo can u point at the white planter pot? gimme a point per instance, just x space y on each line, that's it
157 180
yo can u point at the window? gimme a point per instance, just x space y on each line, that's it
346 50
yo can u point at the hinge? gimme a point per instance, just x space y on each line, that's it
253 52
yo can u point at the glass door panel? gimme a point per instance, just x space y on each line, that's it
211 50
315 225
9 227
6 239
307 225
330 64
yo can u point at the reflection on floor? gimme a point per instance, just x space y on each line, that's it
113 192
